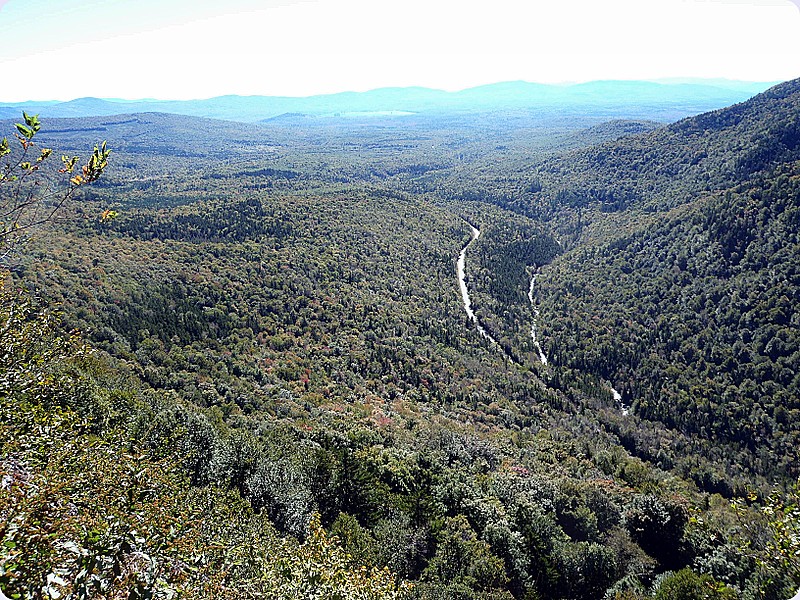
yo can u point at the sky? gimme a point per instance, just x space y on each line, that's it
191 49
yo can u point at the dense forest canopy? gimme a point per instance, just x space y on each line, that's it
259 380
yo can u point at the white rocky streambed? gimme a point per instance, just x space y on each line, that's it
624 408
618 399
542 355
462 284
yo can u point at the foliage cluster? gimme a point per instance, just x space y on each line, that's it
90 511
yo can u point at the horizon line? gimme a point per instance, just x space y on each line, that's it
660 81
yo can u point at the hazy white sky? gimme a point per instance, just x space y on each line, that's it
180 49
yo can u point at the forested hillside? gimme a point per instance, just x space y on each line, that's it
271 334
689 312
672 165
694 319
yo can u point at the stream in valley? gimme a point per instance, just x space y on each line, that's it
542 355
462 284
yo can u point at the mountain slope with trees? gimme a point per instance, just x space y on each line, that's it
276 312
672 165
689 312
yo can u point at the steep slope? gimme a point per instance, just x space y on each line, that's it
691 313
672 165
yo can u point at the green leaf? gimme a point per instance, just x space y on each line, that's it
32 121
26 132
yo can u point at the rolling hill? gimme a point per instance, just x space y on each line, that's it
275 338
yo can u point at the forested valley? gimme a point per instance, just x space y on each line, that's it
239 364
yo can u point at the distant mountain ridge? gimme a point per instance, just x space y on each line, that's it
673 100
666 167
